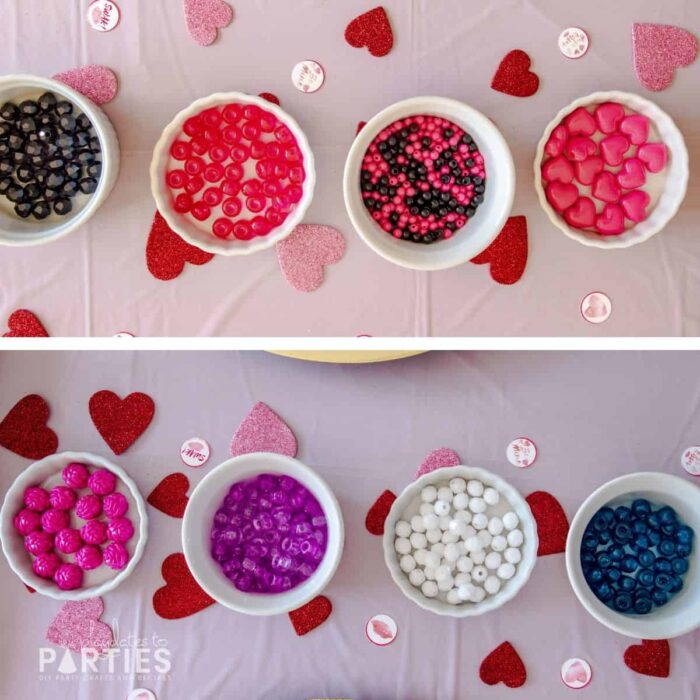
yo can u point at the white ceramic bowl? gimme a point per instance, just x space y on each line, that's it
480 231
682 613
25 232
47 473
202 237
407 504
199 516
668 199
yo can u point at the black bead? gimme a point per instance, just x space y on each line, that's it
5 149
416 238
62 206
50 195
73 171
5 184
415 211
42 120
15 141
425 213
444 211
55 180
426 142
40 210
67 154
5 129
445 196
88 185
445 179
437 235
70 188
67 123
451 225
460 210
15 193
448 133
25 173
18 158
47 101
34 149
27 125
47 134
479 199
82 139
83 122
7 167
95 146
414 128
41 175
406 235
427 239
95 169
65 141
64 107
9 111
56 164
28 108
32 191
23 209
471 211
480 189
477 180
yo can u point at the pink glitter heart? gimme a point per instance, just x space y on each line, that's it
97 83
262 430
576 673
77 626
205 17
658 50
306 251
438 459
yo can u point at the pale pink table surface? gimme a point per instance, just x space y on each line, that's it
593 416
95 282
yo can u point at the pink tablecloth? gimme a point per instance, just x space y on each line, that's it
95 282
364 428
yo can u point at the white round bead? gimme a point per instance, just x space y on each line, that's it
428 494
460 501
473 544
480 521
438 548
429 589
426 508
402 545
484 537
478 594
417 523
448 537
510 520
445 521
462 548
512 555
475 487
407 563
465 591
432 560
445 494
458 485
463 515
465 564
451 552
493 561
462 578
419 556
477 505
492 585
431 521
442 573
441 508
491 496
434 536
515 538
495 526
499 543
453 597
478 557
417 577
418 540
469 533
479 574
446 584
459 527
403 529
429 573
506 571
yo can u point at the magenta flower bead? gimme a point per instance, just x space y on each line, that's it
88 557
68 540
68 577
46 565
102 482
115 505
27 521
36 498
88 507
94 532
75 475
62 497
54 520
115 555
38 542
120 530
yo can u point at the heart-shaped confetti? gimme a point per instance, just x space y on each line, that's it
552 523
310 616
97 83
371 30
658 49
270 97
24 324
503 665
262 430
438 459
376 515
305 253
167 253
507 255
121 422
170 495
181 596
652 657
77 626
205 17
24 431
514 76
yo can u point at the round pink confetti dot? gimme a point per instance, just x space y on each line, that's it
102 482
36 498
68 577
115 556
75 475
120 530
88 507
62 497
115 505
46 565
88 557
27 521
68 540
38 542
94 532
54 520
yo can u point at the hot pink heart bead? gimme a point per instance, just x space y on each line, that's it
582 214
38 542
612 221
635 204
580 148
88 506
115 556
54 520
46 565
94 532
68 540
27 521
608 116
68 577
36 498
88 557
120 530
654 156
75 475
586 170
614 148
632 174
605 187
561 196
581 122
558 169
557 141
636 128
102 482
115 505
62 497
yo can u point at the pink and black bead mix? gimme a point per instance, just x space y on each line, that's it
64 528
237 165
422 179
269 535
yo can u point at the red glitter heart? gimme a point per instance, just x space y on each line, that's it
652 657
438 459
310 616
508 253
503 665
170 495
372 30
24 431
181 596
552 523
514 76
167 253
262 430
121 422
270 97
24 324
376 515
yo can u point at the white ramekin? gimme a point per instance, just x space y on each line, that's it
25 232
184 226
677 173
407 505
480 231
199 517
681 614
47 472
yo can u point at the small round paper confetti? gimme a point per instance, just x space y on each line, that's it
596 307
522 452
690 460
103 15
195 452
141 694
308 76
381 630
574 42
576 673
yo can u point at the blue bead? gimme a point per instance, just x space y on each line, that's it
604 560
604 592
605 536
679 566
645 577
617 553
667 548
646 558
595 575
642 605
590 542
653 521
607 514
599 523
640 506
662 565
627 583
623 514
629 565
666 515
684 535
663 581
654 537
677 584
613 575
683 550
642 542
622 533
669 529
622 602
587 560
639 527
659 597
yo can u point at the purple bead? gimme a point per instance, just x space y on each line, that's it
221 518
267 482
264 521
288 483
244 583
291 546
302 529
279 498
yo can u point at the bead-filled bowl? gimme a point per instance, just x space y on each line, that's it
46 190
419 195
681 613
233 174
201 529
48 474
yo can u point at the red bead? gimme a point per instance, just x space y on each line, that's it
251 187
212 134
274 216
218 152
260 226
283 203
255 204
268 122
243 231
201 211
273 150
231 187
232 207
270 189
212 117
295 193
252 112
231 113
183 203
180 150
280 170
193 126
231 135
284 135
264 169
213 172
194 166
239 153
257 150
176 179
222 228
234 171
292 154
199 145
212 196
250 131
194 185
297 174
